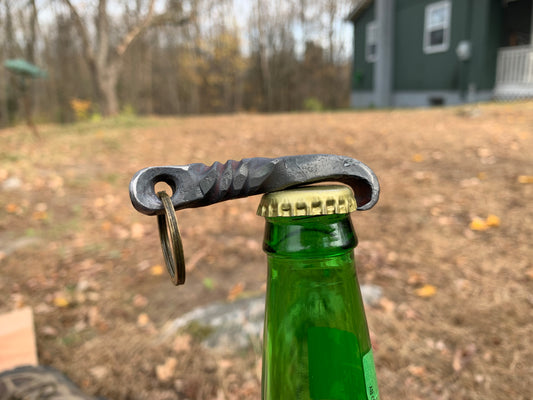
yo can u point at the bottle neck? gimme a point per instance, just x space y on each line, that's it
310 236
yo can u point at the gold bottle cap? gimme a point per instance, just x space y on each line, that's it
308 200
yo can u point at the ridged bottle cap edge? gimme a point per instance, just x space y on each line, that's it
308 201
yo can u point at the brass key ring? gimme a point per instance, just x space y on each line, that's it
171 241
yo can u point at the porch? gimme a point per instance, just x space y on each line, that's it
514 73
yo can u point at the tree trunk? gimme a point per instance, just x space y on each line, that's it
107 79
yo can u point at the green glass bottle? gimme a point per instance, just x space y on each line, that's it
316 340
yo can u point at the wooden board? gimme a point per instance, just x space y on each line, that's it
17 339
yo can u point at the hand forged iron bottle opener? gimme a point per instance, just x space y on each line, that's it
316 343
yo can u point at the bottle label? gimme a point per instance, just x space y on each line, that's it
371 381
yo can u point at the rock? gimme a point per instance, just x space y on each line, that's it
231 326
234 326
17 244
371 294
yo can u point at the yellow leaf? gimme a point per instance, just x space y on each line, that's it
525 179
418 158
61 302
40 215
426 291
106 226
156 270
493 220
12 208
478 224
482 176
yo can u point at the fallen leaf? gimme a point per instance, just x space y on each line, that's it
465 183
479 224
12 208
461 357
80 326
140 301
49 331
106 226
418 158
493 221
40 207
165 371
137 231
525 179
415 278
235 291
143 320
43 308
483 152
156 270
99 372
182 343
388 305
426 291
18 300
40 215
120 232
225 364
416 370
60 301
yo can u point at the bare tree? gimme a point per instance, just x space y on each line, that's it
20 42
104 53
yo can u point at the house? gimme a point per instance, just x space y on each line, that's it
439 52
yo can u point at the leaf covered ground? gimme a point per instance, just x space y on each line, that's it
449 242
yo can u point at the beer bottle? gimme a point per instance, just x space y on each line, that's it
316 340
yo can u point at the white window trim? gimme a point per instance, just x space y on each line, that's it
371 26
446 26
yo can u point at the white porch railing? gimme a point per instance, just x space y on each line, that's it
514 72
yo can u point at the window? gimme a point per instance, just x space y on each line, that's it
437 27
371 42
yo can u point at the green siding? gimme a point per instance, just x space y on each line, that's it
415 70
363 72
475 20
479 21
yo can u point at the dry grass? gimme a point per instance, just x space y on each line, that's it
86 256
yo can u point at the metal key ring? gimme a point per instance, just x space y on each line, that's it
171 241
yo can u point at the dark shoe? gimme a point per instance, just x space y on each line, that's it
36 383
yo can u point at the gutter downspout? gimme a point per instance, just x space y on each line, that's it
383 66
465 86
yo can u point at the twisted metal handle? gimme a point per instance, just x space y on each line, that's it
197 185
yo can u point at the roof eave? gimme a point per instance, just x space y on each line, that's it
358 10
